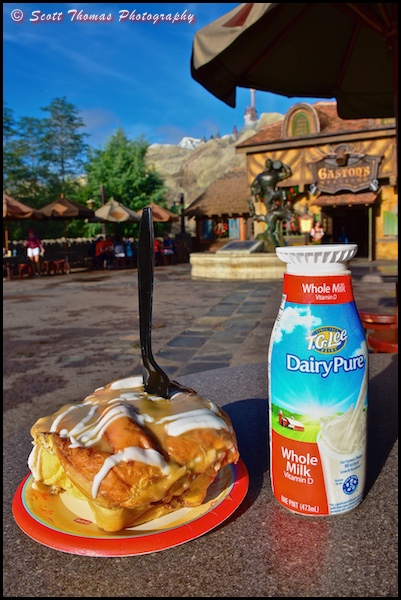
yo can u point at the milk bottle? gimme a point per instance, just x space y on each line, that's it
318 384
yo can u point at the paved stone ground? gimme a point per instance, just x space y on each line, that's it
66 335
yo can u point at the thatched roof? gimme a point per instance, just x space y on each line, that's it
225 197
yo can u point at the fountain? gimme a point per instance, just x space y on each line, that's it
253 259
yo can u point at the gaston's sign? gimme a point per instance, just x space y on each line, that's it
355 173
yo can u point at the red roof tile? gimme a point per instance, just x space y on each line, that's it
330 123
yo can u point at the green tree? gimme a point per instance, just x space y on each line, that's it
43 158
63 147
13 164
24 175
34 175
121 168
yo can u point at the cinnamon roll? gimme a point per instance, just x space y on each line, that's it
133 456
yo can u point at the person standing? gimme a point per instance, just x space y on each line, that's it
342 236
34 251
130 252
317 233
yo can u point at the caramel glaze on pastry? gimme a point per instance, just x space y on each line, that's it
133 456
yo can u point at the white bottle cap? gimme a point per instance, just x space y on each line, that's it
324 259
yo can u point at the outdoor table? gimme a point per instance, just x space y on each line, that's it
11 260
9 264
262 549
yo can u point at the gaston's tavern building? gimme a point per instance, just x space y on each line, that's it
344 173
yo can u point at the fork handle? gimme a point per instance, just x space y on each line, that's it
154 378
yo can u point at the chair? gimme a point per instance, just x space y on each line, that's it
99 263
384 340
59 266
376 322
382 329
169 259
8 270
131 262
119 262
46 266
24 267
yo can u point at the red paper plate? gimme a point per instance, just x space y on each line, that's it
65 523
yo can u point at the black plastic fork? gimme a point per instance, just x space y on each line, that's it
154 378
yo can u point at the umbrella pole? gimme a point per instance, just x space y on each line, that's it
103 200
67 264
395 59
6 238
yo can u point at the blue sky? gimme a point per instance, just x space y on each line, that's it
119 73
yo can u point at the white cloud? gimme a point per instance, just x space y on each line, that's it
295 317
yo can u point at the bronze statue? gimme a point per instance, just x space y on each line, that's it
278 208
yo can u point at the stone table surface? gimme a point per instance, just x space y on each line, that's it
261 550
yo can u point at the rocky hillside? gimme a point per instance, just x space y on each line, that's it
191 171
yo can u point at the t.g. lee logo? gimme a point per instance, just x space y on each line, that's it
327 340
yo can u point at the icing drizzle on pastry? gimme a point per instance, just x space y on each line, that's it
84 424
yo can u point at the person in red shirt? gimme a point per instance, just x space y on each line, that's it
157 244
34 251
104 251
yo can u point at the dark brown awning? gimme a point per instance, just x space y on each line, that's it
344 199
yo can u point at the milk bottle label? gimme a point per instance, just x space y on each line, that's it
318 377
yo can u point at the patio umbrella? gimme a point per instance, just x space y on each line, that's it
115 212
161 214
346 51
64 209
14 210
